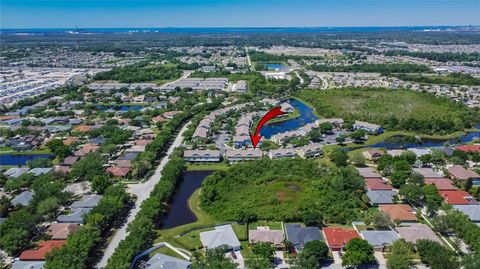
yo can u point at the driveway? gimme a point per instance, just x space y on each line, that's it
142 191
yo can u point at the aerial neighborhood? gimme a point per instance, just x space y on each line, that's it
135 149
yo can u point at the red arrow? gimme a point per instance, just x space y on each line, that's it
272 113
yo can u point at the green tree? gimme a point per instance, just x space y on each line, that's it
339 158
435 255
400 255
380 221
265 250
213 259
312 218
413 194
357 252
471 261
358 159
100 183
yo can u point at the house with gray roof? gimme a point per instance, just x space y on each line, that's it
368 172
299 235
206 155
379 239
368 127
75 216
281 153
87 201
162 261
472 211
28 265
311 150
40 171
235 155
378 197
16 172
23 198
221 236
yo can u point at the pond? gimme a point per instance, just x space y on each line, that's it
120 108
21 159
276 66
430 143
306 116
179 211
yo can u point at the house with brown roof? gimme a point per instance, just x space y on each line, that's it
376 184
417 231
83 128
60 231
44 247
158 119
70 160
402 213
236 155
273 237
123 163
442 184
70 140
469 148
170 114
118 171
373 154
458 172
87 148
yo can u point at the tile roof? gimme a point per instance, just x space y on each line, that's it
44 247
459 172
417 231
339 237
377 184
299 235
472 211
398 212
222 235
162 261
274 237
469 148
62 230
428 172
457 197
441 184
379 238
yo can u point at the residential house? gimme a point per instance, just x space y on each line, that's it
337 238
379 239
469 148
75 216
415 232
378 197
221 236
472 211
40 171
281 153
310 151
419 152
368 127
16 172
299 235
202 155
273 237
368 172
399 212
236 155
118 171
442 184
377 184
162 261
39 253
69 161
428 173
22 199
373 154
28 265
60 231
457 197
459 173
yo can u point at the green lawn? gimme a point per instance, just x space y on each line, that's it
274 225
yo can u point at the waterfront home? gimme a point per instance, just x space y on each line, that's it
380 240
281 153
60 231
299 235
287 107
160 260
417 231
206 155
40 171
240 141
337 238
469 148
221 236
15 172
419 152
310 150
471 211
368 127
273 237
336 122
284 137
39 253
373 154
399 212
236 155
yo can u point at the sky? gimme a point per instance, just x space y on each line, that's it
235 13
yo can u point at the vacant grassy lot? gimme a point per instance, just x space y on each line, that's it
394 109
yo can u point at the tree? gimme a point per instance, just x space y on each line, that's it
435 255
264 250
312 218
213 259
312 255
357 252
315 135
415 178
258 262
413 194
426 159
433 200
358 159
39 162
326 127
409 156
471 261
339 158
398 178
100 183
88 167
400 255
358 135
340 139
380 221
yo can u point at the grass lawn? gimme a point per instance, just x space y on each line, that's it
289 116
5 148
274 225
206 167
167 251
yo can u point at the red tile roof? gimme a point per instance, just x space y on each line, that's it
398 212
43 248
376 184
469 148
339 237
457 197
442 184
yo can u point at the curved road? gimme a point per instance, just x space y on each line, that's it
142 191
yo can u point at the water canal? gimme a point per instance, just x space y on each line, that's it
179 211
21 159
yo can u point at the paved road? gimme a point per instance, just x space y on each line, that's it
142 191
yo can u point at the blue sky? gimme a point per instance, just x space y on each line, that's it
235 13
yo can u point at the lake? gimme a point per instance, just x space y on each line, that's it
120 108
17 159
306 116
179 211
